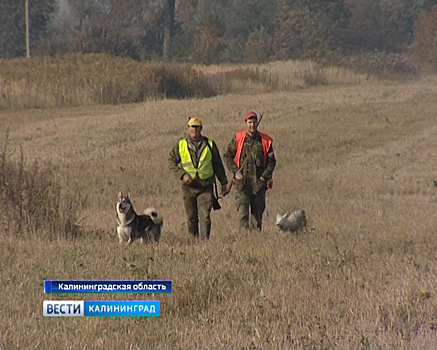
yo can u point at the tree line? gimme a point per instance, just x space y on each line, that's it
214 31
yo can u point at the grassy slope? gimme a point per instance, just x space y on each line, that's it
360 159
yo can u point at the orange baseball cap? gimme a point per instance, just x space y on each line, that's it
250 114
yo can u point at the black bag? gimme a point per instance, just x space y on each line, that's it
215 197
215 203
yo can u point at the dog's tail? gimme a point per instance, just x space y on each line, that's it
153 213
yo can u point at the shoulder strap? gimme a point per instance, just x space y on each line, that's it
239 141
215 182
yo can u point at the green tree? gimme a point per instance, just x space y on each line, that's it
13 30
199 30
209 41
258 47
379 25
310 29
125 28
233 21
247 22
169 15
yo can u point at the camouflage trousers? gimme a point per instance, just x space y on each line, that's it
250 208
198 205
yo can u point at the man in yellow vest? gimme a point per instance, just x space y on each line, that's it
250 157
196 160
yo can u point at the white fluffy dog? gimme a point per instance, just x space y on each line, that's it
293 222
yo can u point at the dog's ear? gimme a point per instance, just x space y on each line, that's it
128 195
120 194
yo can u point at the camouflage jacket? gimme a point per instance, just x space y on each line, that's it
251 160
174 162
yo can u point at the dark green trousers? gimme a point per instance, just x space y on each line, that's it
198 205
250 208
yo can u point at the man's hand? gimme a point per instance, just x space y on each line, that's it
186 179
225 190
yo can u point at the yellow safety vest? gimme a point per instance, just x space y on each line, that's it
204 168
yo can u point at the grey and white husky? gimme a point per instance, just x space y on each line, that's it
131 226
293 222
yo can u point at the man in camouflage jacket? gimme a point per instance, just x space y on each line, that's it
250 157
196 160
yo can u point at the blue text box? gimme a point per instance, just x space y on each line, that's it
108 286
101 308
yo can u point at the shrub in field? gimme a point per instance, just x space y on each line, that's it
31 200
228 81
277 76
380 64
94 79
425 36
181 82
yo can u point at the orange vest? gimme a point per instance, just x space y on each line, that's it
266 141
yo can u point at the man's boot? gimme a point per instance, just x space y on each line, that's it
206 230
193 230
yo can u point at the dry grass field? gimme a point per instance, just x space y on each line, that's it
360 158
